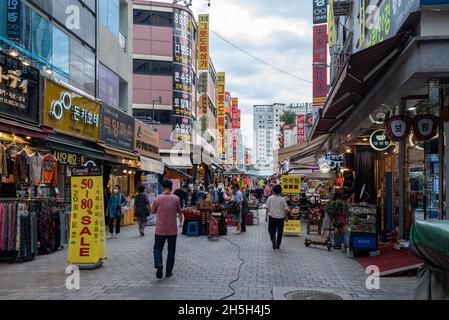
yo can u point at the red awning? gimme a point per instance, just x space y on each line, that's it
23 128
360 72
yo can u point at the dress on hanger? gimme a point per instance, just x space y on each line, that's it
36 164
50 170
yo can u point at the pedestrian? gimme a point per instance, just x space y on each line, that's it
116 204
237 198
142 209
195 197
266 192
245 210
167 207
183 195
277 209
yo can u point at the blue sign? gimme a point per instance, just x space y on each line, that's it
364 242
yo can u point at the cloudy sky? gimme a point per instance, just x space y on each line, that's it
276 31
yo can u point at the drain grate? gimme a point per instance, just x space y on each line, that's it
311 295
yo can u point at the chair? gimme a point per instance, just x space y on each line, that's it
196 231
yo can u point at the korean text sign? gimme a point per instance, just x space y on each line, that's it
221 97
203 42
87 227
320 56
117 128
291 184
71 113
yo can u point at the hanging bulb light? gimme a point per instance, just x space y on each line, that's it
13 53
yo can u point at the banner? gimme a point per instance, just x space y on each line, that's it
301 127
203 42
87 226
319 11
221 97
319 56
291 184
332 31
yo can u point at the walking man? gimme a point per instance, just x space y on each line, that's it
166 206
277 210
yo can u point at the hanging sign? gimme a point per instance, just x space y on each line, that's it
425 126
291 184
398 127
203 42
319 11
87 227
379 140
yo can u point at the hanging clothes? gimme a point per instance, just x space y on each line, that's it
50 170
36 164
22 167
3 163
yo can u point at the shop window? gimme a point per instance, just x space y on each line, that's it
153 18
150 67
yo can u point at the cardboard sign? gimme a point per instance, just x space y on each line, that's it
292 227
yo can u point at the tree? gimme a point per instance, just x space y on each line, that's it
288 117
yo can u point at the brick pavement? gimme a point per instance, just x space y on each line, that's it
203 270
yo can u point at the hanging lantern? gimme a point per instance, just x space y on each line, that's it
398 127
425 126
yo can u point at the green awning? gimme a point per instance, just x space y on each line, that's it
71 146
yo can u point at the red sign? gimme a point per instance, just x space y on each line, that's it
300 122
320 56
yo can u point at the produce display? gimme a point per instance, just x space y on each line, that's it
362 218
191 213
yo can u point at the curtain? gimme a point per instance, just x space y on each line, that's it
364 173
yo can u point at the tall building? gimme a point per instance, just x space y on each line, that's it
267 128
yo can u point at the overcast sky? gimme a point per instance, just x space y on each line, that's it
277 31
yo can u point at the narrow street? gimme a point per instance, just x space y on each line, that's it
203 270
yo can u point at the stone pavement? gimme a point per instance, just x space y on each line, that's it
203 270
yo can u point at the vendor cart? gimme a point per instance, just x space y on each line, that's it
429 241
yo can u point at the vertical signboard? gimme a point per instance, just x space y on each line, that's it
87 227
221 99
319 11
203 42
183 30
300 123
320 64
235 114
13 29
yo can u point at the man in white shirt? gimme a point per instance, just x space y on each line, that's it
277 210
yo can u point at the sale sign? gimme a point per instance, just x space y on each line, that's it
87 227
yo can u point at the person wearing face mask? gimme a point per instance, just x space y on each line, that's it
115 204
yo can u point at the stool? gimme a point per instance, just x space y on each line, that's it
196 232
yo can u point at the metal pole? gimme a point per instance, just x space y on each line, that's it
441 147
402 176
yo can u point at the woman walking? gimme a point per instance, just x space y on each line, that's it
142 209
115 213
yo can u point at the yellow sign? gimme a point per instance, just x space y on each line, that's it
70 112
87 227
261 182
221 101
292 227
332 32
203 42
321 100
291 184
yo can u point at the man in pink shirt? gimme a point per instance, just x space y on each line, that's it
167 206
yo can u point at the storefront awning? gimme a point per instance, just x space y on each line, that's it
360 72
173 173
122 154
151 165
25 129
177 161
60 144
301 150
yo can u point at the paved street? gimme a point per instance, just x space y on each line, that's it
203 270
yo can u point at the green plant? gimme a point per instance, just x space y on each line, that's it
289 118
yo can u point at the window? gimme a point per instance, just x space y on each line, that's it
109 84
61 49
110 15
41 36
163 68
153 18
